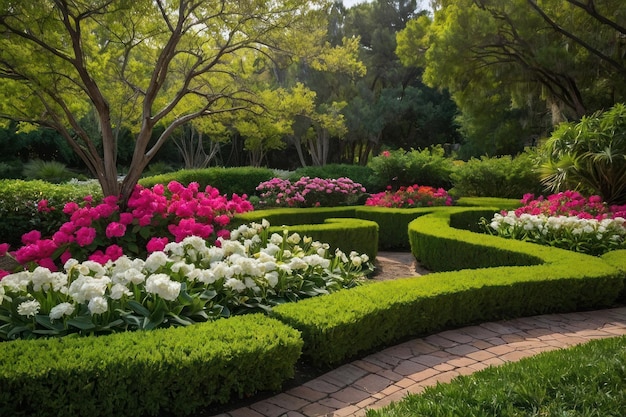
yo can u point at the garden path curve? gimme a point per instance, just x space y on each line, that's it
380 378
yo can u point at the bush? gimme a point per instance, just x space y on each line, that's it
357 173
238 180
589 156
409 197
22 210
50 171
401 168
309 192
504 177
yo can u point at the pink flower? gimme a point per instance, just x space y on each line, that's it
3 273
4 248
157 244
126 218
70 207
85 236
222 220
386 154
42 206
115 229
31 237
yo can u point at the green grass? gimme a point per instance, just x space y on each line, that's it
584 381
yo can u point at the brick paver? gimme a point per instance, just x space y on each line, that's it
378 379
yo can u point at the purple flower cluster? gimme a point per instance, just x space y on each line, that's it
310 192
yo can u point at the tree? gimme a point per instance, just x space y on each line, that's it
139 64
567 55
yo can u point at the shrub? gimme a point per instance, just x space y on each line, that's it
589 156
29 205
565 220
409 197
102 232
309 192
504 177
401 168
357 173
237 180
50 171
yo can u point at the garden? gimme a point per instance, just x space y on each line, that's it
190 292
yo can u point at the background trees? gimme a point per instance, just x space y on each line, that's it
139 65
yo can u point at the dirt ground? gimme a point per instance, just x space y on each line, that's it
393 265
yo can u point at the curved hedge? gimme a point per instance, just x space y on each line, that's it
179 370
540 280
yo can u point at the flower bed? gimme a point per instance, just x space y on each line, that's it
310 192
187 282
565 220
412 196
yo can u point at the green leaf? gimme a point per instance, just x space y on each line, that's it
138 308
82 323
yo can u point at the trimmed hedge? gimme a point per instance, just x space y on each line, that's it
238 180
346 234
345 324
176 370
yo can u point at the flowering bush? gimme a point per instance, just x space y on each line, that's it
413 196
309 192
154 217
188 282
565 220
570 203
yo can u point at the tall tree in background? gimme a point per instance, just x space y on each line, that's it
531 64
139 64
391 105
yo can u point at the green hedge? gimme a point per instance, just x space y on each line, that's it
345 324
346 234
238 180
18 206
175 370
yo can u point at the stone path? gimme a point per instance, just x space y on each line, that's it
378 379
386 376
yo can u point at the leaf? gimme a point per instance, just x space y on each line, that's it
138 308
45 321
82 323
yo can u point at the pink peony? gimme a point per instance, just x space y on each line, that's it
85 236
115 229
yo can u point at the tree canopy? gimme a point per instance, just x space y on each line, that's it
141 64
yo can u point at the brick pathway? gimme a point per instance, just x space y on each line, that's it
386 376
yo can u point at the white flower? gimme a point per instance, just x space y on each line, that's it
1 293
276 239
163 286
98 305
17 282
249 282
69 264
42 278
174 249
316 260
206 276
60 310
272 278
134 275
94 269
85 288
265 224
365 258
28 308
356 261
155 261
215 254
294 239
235 284
297 263
119 290
232 247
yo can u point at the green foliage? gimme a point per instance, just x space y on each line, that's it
238 180
541 280
589 156
585 380
50 171
505 177
166 371
18 206
404 168
357 173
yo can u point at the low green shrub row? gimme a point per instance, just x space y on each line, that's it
180 370
540 280
346 234
176 370
237 180
19 213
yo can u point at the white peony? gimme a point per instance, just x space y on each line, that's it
28 308
163 286
98 305
60 310
235 284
